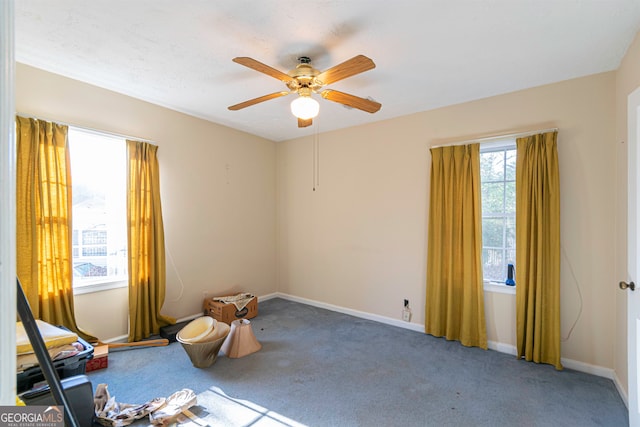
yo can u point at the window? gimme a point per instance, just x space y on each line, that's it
98 176
498 182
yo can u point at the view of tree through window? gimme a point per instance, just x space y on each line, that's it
498 181
98 176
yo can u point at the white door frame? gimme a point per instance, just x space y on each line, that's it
7 206
633 252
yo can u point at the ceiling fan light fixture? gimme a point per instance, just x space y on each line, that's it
305 107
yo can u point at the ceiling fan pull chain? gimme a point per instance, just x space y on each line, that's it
315 146
317 138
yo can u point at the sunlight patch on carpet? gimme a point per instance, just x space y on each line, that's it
215 408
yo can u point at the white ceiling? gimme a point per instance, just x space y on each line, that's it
428 53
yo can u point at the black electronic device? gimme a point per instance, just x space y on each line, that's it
510 273
79 393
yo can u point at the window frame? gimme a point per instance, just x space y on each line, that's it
99 283
500 145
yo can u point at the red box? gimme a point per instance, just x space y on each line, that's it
100 358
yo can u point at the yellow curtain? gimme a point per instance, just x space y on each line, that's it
538 249
43 221
147 278
455 299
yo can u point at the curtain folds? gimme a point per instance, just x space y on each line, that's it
43 222
455 298
146 253
538 249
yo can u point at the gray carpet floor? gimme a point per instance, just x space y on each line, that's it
322 368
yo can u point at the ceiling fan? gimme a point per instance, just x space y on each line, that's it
305 80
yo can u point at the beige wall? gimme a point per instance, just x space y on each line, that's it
218 195
627 80
359 240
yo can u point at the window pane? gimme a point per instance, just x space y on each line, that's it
492 198
493 264
92 237
98 172
492 232
492 166
88 270
510 197
511 165
100 251
510 234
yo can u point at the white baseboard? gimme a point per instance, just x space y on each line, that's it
339 309
502 347
588 368
356 313
268 296
193 316
121 338
621 391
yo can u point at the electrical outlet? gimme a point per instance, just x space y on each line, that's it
205 295
406 311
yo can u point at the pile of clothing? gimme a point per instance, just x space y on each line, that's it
161 411
239 300
60 343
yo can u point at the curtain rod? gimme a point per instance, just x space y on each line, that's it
88 129
498 137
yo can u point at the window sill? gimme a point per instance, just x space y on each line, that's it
88 288
499 288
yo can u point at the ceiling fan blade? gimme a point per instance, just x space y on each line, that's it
257 100
263 68
356 65
303 123
351 100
